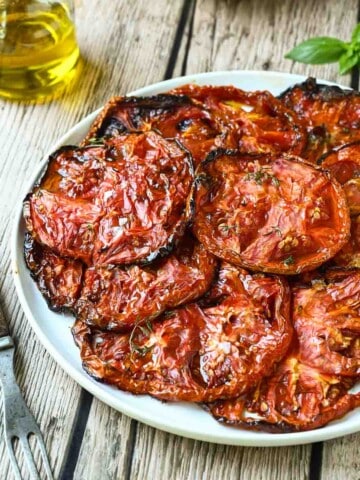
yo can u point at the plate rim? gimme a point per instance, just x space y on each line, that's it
257 439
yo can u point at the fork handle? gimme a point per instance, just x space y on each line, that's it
14 406
6 342
15 409
8 382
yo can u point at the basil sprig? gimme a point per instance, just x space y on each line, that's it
320 50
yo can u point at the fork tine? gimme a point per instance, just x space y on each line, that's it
13 461
41 443
29 458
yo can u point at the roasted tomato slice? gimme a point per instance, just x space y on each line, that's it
75 172
58 279
197 353
332 115
115 298
174 116
349 255
256 121
295 398
68 227
120 204
326 318
344 164
269 213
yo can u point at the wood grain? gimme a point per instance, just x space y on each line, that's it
161 455
106 448
256 34
341 458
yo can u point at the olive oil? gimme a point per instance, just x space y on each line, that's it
38 49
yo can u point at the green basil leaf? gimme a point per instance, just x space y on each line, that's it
355 37
318 50
347 61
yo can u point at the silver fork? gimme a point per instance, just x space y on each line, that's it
18 421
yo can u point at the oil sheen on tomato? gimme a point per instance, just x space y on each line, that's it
38 51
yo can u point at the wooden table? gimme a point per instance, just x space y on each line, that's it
126 45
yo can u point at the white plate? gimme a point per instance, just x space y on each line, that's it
53 329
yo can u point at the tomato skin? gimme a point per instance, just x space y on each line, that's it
122 115
174 116
295 398
62 225
349 255
198 353
344 165
330 114
115 298
326 320
58 279
270 213
123 203
256 121
74 172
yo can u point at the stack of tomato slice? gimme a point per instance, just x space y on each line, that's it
207 241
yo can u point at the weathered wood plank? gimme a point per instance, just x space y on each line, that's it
243 35
255 35
125 46
161 455
341 458
106 447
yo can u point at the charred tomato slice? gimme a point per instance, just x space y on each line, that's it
295 398
254 121
197 353
270 213
332 115
326 318
75 172
122 204
349 255
115 298
174 116
58 279
344 164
